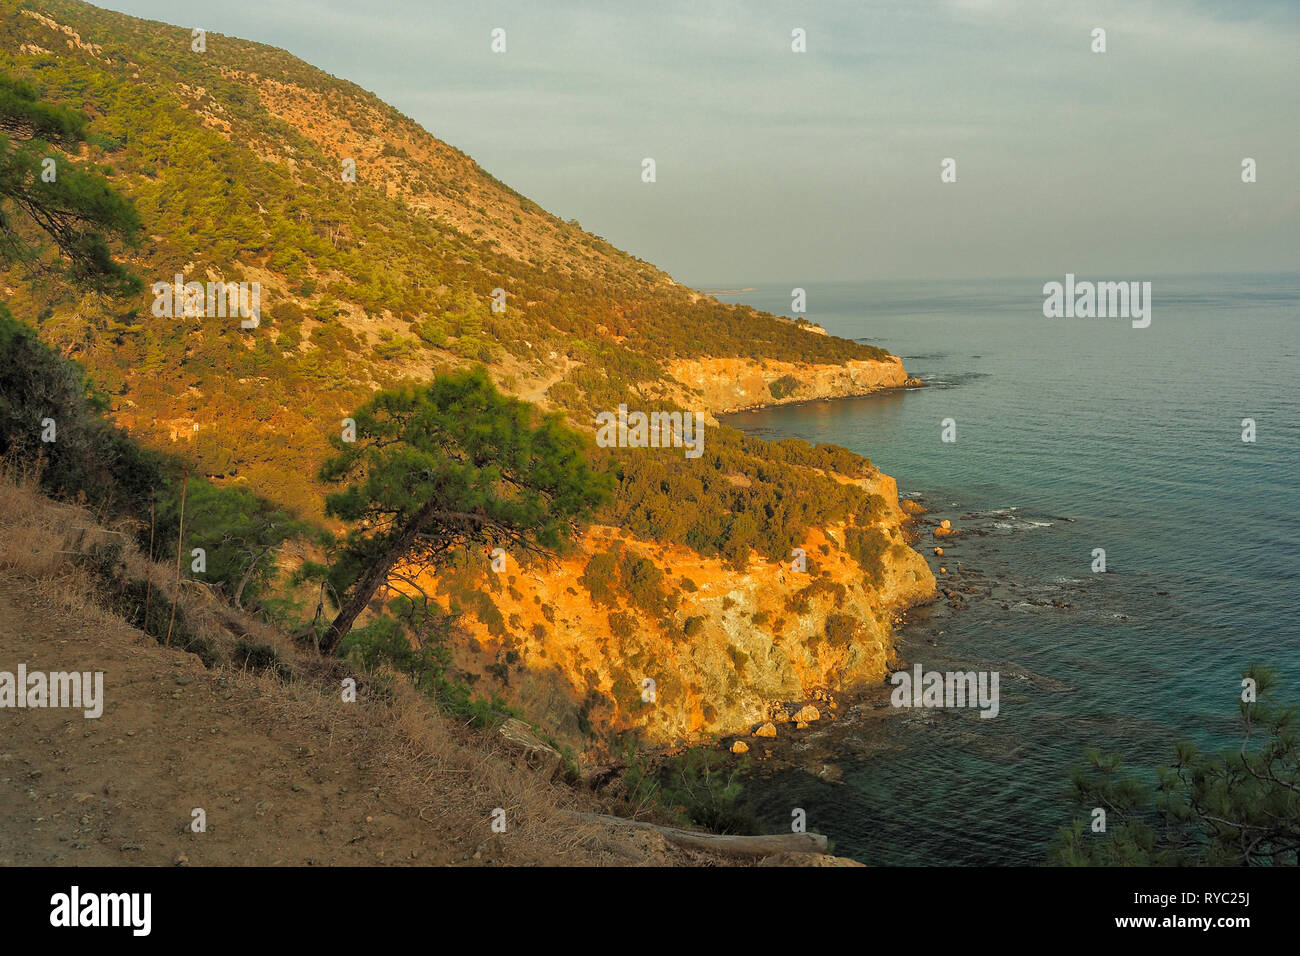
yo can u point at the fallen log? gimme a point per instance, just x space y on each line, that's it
717 843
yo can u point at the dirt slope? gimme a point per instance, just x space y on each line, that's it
282 780
173 736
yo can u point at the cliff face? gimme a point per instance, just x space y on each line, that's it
733 645
732 384
373 279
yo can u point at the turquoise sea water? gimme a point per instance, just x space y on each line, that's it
1072 434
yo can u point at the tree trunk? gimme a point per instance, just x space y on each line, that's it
364 588
243 582
719 843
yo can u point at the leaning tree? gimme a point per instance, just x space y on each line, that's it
450 464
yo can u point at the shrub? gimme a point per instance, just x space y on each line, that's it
384 642
622 625
840 629
703 786
145 607
643 582
599 578
89 456
783 386
260 657
867 546
801 601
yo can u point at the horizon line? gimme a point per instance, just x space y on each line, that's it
755 283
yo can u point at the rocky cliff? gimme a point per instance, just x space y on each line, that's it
726 650
732 384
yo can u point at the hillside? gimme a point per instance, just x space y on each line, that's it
235 157
286 773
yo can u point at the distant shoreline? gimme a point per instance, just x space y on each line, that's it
726 291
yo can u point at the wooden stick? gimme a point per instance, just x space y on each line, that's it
180 538
148 578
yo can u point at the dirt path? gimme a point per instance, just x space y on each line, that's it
173 737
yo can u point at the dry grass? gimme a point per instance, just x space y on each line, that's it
433 772
41 539
442 775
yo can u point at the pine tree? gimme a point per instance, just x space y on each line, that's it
447 465
1239 808
41 186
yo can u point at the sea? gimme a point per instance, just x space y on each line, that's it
1071 435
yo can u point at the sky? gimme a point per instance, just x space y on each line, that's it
773 165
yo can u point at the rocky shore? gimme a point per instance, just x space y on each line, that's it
726 385
816 734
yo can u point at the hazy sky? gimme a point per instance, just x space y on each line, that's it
774 165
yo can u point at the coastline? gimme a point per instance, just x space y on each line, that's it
911 384
727 385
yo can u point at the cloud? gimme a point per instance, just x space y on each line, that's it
1055 144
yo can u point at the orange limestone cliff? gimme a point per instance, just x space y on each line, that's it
731 384
699 648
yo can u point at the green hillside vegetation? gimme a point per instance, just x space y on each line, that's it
92 461
364 287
